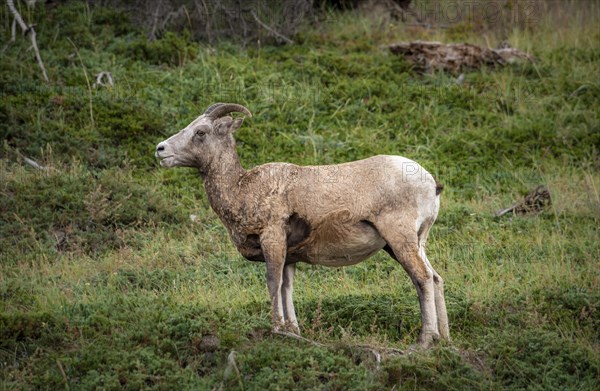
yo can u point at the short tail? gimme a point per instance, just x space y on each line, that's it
438 187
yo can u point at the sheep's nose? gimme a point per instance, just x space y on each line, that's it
160 147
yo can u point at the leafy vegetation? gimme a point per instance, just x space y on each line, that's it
106 283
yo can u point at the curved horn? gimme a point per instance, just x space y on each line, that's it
218 110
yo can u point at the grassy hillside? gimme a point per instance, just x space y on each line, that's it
106 282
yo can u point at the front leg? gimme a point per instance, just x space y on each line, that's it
274 248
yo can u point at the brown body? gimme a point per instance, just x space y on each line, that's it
326 221
336 215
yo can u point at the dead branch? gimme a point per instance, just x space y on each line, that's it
152 34
33 163
403 9
537 200
269 29
63 373
174 15
31 31
13 35
16 15
13 30
232 367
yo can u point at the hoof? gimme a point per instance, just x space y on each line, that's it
287 327
426 340
292 328
445 334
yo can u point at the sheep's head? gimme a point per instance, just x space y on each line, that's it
204 140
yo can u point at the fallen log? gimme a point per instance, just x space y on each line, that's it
433 56
536 201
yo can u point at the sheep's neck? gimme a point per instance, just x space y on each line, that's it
221 182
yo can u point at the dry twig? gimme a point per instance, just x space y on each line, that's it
269 29
33 163
27 30
299 338
152 34
62 372
232 367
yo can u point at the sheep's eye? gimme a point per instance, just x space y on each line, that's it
200 133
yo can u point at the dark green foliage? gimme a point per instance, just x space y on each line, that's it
172 49
541 360
394 317
274 365
124 130
127 130
140 368
76 210
573 305
441 369
151 355
111 22
29 328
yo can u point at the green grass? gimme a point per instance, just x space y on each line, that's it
106 283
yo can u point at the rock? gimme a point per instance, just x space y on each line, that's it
209 343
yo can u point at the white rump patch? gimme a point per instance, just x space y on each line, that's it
410 170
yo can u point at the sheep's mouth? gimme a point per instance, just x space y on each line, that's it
165 160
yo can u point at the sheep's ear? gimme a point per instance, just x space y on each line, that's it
227 125
236 124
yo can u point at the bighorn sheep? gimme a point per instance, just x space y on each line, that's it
335 215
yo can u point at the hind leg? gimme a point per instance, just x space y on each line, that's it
404 245
287 288
438 282
440 301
